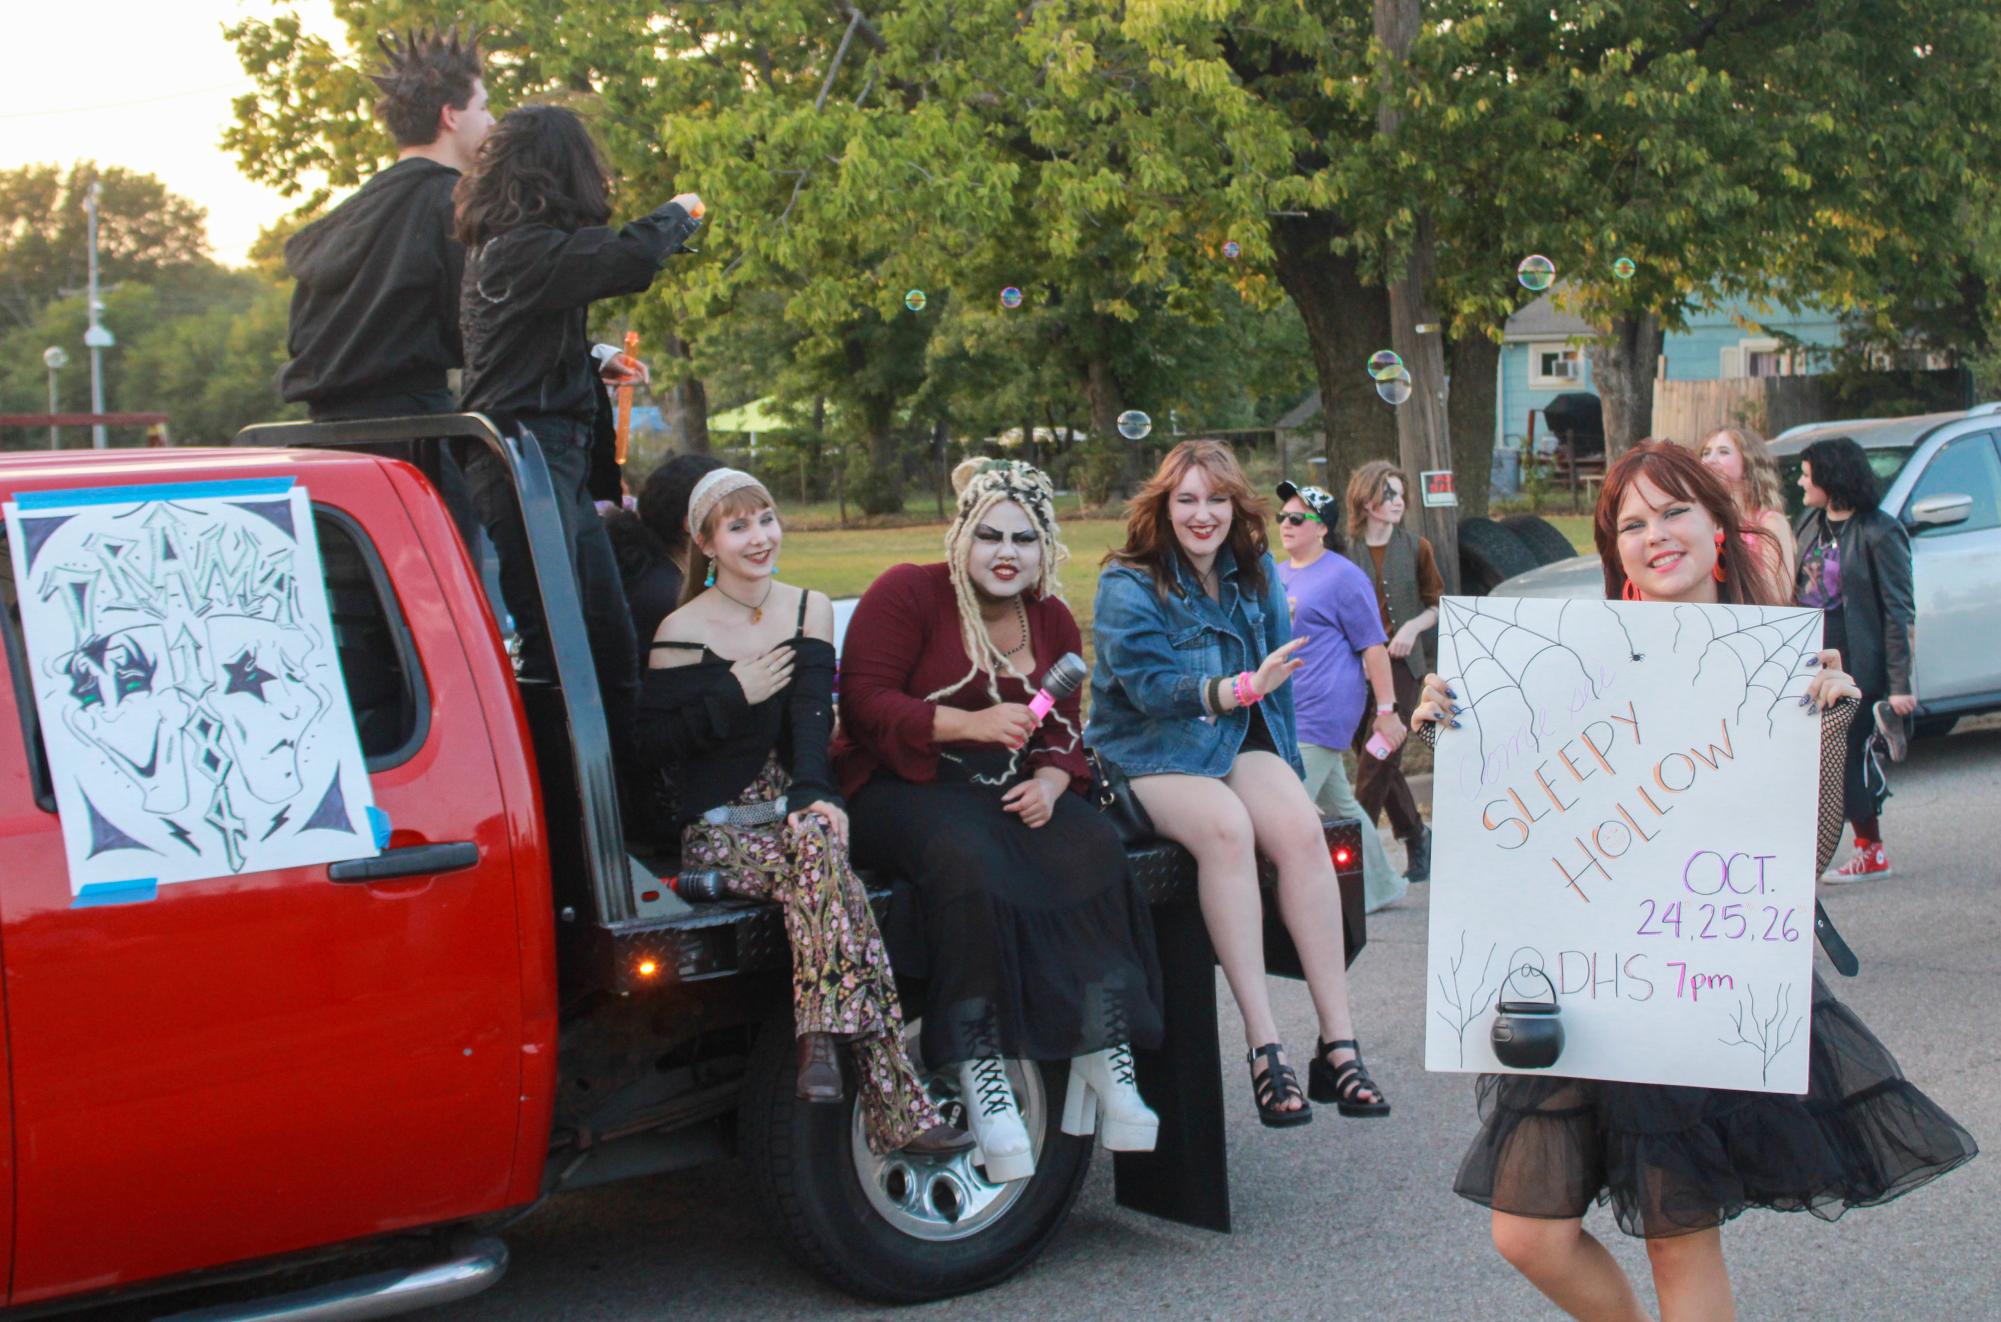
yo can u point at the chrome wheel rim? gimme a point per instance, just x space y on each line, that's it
946 1197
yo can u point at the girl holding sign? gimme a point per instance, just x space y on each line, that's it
1674 1162
1189 698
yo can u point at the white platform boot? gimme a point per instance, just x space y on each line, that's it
995 1120
1105 1078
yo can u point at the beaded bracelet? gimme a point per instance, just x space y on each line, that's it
1247 696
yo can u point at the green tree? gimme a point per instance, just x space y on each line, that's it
144 232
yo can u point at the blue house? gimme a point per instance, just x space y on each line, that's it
1543 355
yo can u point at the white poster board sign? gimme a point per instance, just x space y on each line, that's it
1629 805
189 694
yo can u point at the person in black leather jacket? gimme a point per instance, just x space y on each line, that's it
1855 564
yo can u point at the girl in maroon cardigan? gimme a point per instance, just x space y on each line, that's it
1038 946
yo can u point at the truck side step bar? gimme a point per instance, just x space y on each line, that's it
477 1264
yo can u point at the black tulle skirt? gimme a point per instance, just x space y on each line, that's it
1670 1161
1036 944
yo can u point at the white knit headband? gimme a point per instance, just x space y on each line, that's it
715 485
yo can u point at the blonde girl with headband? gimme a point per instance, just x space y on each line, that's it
1037 944
737 706
1739 456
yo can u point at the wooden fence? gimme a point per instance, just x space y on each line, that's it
1687 411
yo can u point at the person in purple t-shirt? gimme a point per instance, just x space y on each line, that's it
1334 606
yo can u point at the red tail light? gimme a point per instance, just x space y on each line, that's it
1341 856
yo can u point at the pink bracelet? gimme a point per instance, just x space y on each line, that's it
1246 695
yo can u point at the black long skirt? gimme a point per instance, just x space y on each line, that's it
1671 1160
1038 945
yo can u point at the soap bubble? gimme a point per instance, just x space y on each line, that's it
1231 249
1010 297
1536 273
914 300
1134 425
1384 364
1624 268
1394 389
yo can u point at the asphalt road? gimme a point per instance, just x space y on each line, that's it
1356 1219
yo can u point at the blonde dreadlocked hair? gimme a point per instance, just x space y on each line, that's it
982 484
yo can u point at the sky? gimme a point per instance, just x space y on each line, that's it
145 84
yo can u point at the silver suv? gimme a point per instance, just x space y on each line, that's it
1941 476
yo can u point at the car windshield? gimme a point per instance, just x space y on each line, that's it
1887 460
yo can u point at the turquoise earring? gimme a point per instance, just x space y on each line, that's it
710 581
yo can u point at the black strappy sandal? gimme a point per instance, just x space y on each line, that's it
1345 1083
1275 1085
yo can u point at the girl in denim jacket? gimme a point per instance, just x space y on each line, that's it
1188 697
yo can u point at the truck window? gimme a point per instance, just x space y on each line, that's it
1967 467
378 658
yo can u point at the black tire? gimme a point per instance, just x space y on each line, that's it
804 1169
1488 555
1933 727
1545 543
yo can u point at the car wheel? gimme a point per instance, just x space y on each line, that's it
1933 727
901 1229
1541 537
1488 555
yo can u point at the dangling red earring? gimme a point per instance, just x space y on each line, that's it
1718 571
1630 592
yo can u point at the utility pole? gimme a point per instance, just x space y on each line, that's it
55 359
1424 440
97 338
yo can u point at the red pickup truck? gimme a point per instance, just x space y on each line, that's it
235 1074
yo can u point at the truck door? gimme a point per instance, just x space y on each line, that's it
257 1063
1956 568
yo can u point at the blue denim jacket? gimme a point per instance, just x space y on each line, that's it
1154 656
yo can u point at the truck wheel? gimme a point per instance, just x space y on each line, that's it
899 1229
1545 543
1488 555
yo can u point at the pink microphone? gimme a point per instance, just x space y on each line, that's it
1066 674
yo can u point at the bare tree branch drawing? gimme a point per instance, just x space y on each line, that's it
1466 1006
1769 1036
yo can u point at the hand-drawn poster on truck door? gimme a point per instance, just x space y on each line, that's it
1628 805
187 683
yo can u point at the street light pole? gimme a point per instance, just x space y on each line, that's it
55 359
96 337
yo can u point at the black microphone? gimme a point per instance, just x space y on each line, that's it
1066 674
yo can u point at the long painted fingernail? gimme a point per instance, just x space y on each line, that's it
1457 709
1813 660
1452 725
1450 694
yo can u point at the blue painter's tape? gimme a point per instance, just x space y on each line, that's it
378 823
232 487
137 891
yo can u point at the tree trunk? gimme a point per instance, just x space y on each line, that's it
1346 321
687 400
1423 439
939 436
1623 364
882 491
1470 415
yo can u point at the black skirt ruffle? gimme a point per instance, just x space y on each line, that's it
1671 1161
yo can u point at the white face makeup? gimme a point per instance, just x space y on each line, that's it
1388 508
1301 540
1201 513
1667 545
746 545
1006 555
1721 456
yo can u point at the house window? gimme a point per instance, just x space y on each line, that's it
1555 365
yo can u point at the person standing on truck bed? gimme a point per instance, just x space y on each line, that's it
375 313
739 706
532 215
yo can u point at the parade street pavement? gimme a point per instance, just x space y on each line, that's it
1356 1218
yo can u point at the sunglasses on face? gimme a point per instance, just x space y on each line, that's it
1299 520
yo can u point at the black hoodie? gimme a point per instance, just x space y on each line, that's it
376 310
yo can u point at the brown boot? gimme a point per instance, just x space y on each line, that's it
937 1141
819 1071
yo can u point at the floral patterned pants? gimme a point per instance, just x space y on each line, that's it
841 980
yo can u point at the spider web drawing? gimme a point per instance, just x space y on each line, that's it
1497 657
1771 653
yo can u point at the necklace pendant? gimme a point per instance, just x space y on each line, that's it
757 615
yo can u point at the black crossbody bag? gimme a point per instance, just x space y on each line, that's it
1113 793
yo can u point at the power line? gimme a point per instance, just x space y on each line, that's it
121 105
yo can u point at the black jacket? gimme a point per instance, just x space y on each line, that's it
524 304
376 309
695 724
1878 603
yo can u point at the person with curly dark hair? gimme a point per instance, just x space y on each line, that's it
375 313
533 215
1855 564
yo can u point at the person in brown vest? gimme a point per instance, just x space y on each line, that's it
1408 586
